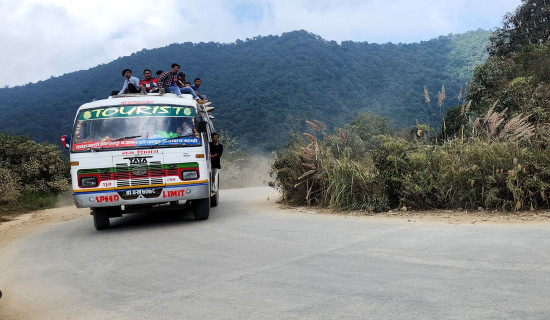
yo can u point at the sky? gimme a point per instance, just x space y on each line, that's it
44 38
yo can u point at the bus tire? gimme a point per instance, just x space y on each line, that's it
101 218
201 209
214 200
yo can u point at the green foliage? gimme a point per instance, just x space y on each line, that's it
349 185
312 173
518 84
457 123
259 84
27 167
527 25
287 168
516 77
391 162
467 51
488 82
30 201
500 165
360 135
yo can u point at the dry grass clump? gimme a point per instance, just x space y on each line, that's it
490 126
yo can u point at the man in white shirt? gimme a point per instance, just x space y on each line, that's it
131 84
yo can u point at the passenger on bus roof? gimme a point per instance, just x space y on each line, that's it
148 83
168 82
131 84
181 80
196 86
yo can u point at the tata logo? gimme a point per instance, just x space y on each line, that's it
139 171
137 160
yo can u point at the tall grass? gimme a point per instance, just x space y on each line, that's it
321 172
501 165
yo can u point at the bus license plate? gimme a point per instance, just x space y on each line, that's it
140 192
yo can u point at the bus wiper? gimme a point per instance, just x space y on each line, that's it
168 139
113 141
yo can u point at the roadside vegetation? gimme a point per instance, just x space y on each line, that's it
490 150
32 175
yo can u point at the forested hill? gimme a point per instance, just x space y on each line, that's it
265 86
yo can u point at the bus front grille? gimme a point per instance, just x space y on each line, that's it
139 182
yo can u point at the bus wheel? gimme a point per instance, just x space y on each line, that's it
214 199
101 218
201 209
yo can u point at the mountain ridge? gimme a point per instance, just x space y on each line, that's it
281 79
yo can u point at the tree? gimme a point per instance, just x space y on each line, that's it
529 24
516 76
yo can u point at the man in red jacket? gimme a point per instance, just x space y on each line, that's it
148 83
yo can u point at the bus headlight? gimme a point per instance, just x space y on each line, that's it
189 175
88 182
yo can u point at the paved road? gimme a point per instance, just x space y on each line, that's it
249 261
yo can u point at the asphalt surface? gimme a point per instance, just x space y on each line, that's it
252 261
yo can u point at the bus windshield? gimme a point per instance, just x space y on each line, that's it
133 127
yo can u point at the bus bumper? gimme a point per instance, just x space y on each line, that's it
113 198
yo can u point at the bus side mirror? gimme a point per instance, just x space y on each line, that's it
65 141
201 126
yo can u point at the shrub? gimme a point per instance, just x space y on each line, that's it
313 173
33 167
9 186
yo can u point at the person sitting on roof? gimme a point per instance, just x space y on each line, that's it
196 86
167 82
131 84
181 80
148 83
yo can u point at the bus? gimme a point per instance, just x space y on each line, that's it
137 151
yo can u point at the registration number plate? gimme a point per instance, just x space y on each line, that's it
140 192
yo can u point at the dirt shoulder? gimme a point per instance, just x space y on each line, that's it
272 205
28 223
23 225
439 216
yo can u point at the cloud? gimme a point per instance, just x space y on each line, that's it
43 38
386 21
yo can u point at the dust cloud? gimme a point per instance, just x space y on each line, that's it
65 199
252 171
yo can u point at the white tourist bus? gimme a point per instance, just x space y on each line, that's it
135 151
